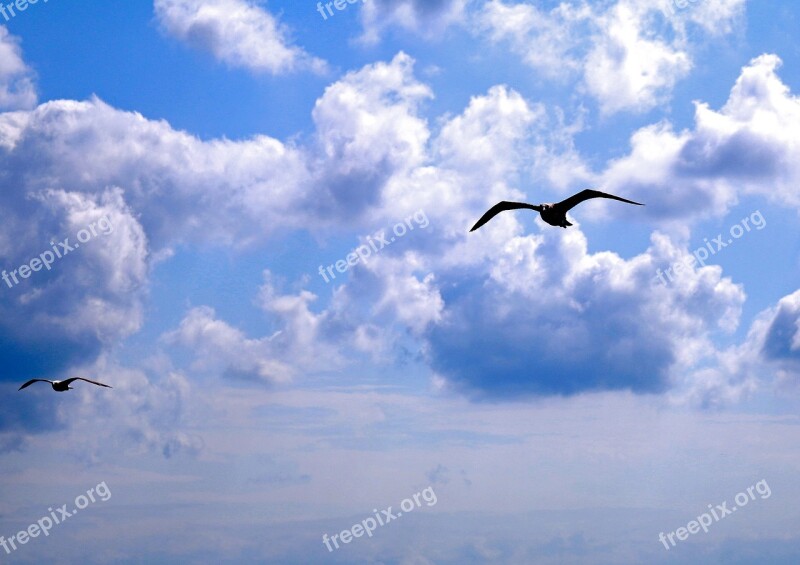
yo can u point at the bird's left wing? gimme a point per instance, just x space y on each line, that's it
73 379
30 382
502 207
587 194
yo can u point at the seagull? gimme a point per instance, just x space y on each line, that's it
62 386
553 214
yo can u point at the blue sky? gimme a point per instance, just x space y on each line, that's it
563 404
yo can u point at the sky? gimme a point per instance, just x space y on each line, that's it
251 219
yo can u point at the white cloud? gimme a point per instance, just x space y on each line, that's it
747 147
164 188
629 68
223 348
463 296
773 343
717 18
368 131
238 32
768 358
546 317
624 55
305 341
90 298
182 187
550 42
17 89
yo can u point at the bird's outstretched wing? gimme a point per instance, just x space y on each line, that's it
587 194
502 207
30 382
73 379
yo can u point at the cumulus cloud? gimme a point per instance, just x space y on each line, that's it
628 68
551 42
180 186
494 314
551 319
717 18
237 32
368 132
769 357
224 348
781 333
624 55
771 352
498 314
88 299
746 147
161 188
306 341
17 89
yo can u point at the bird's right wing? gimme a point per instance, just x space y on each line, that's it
587 194
73 379
502 207
30 382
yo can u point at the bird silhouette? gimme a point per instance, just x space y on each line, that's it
62 386
553 214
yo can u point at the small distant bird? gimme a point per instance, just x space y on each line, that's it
553 214
62 386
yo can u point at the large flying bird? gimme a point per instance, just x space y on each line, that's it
62 386
553 214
